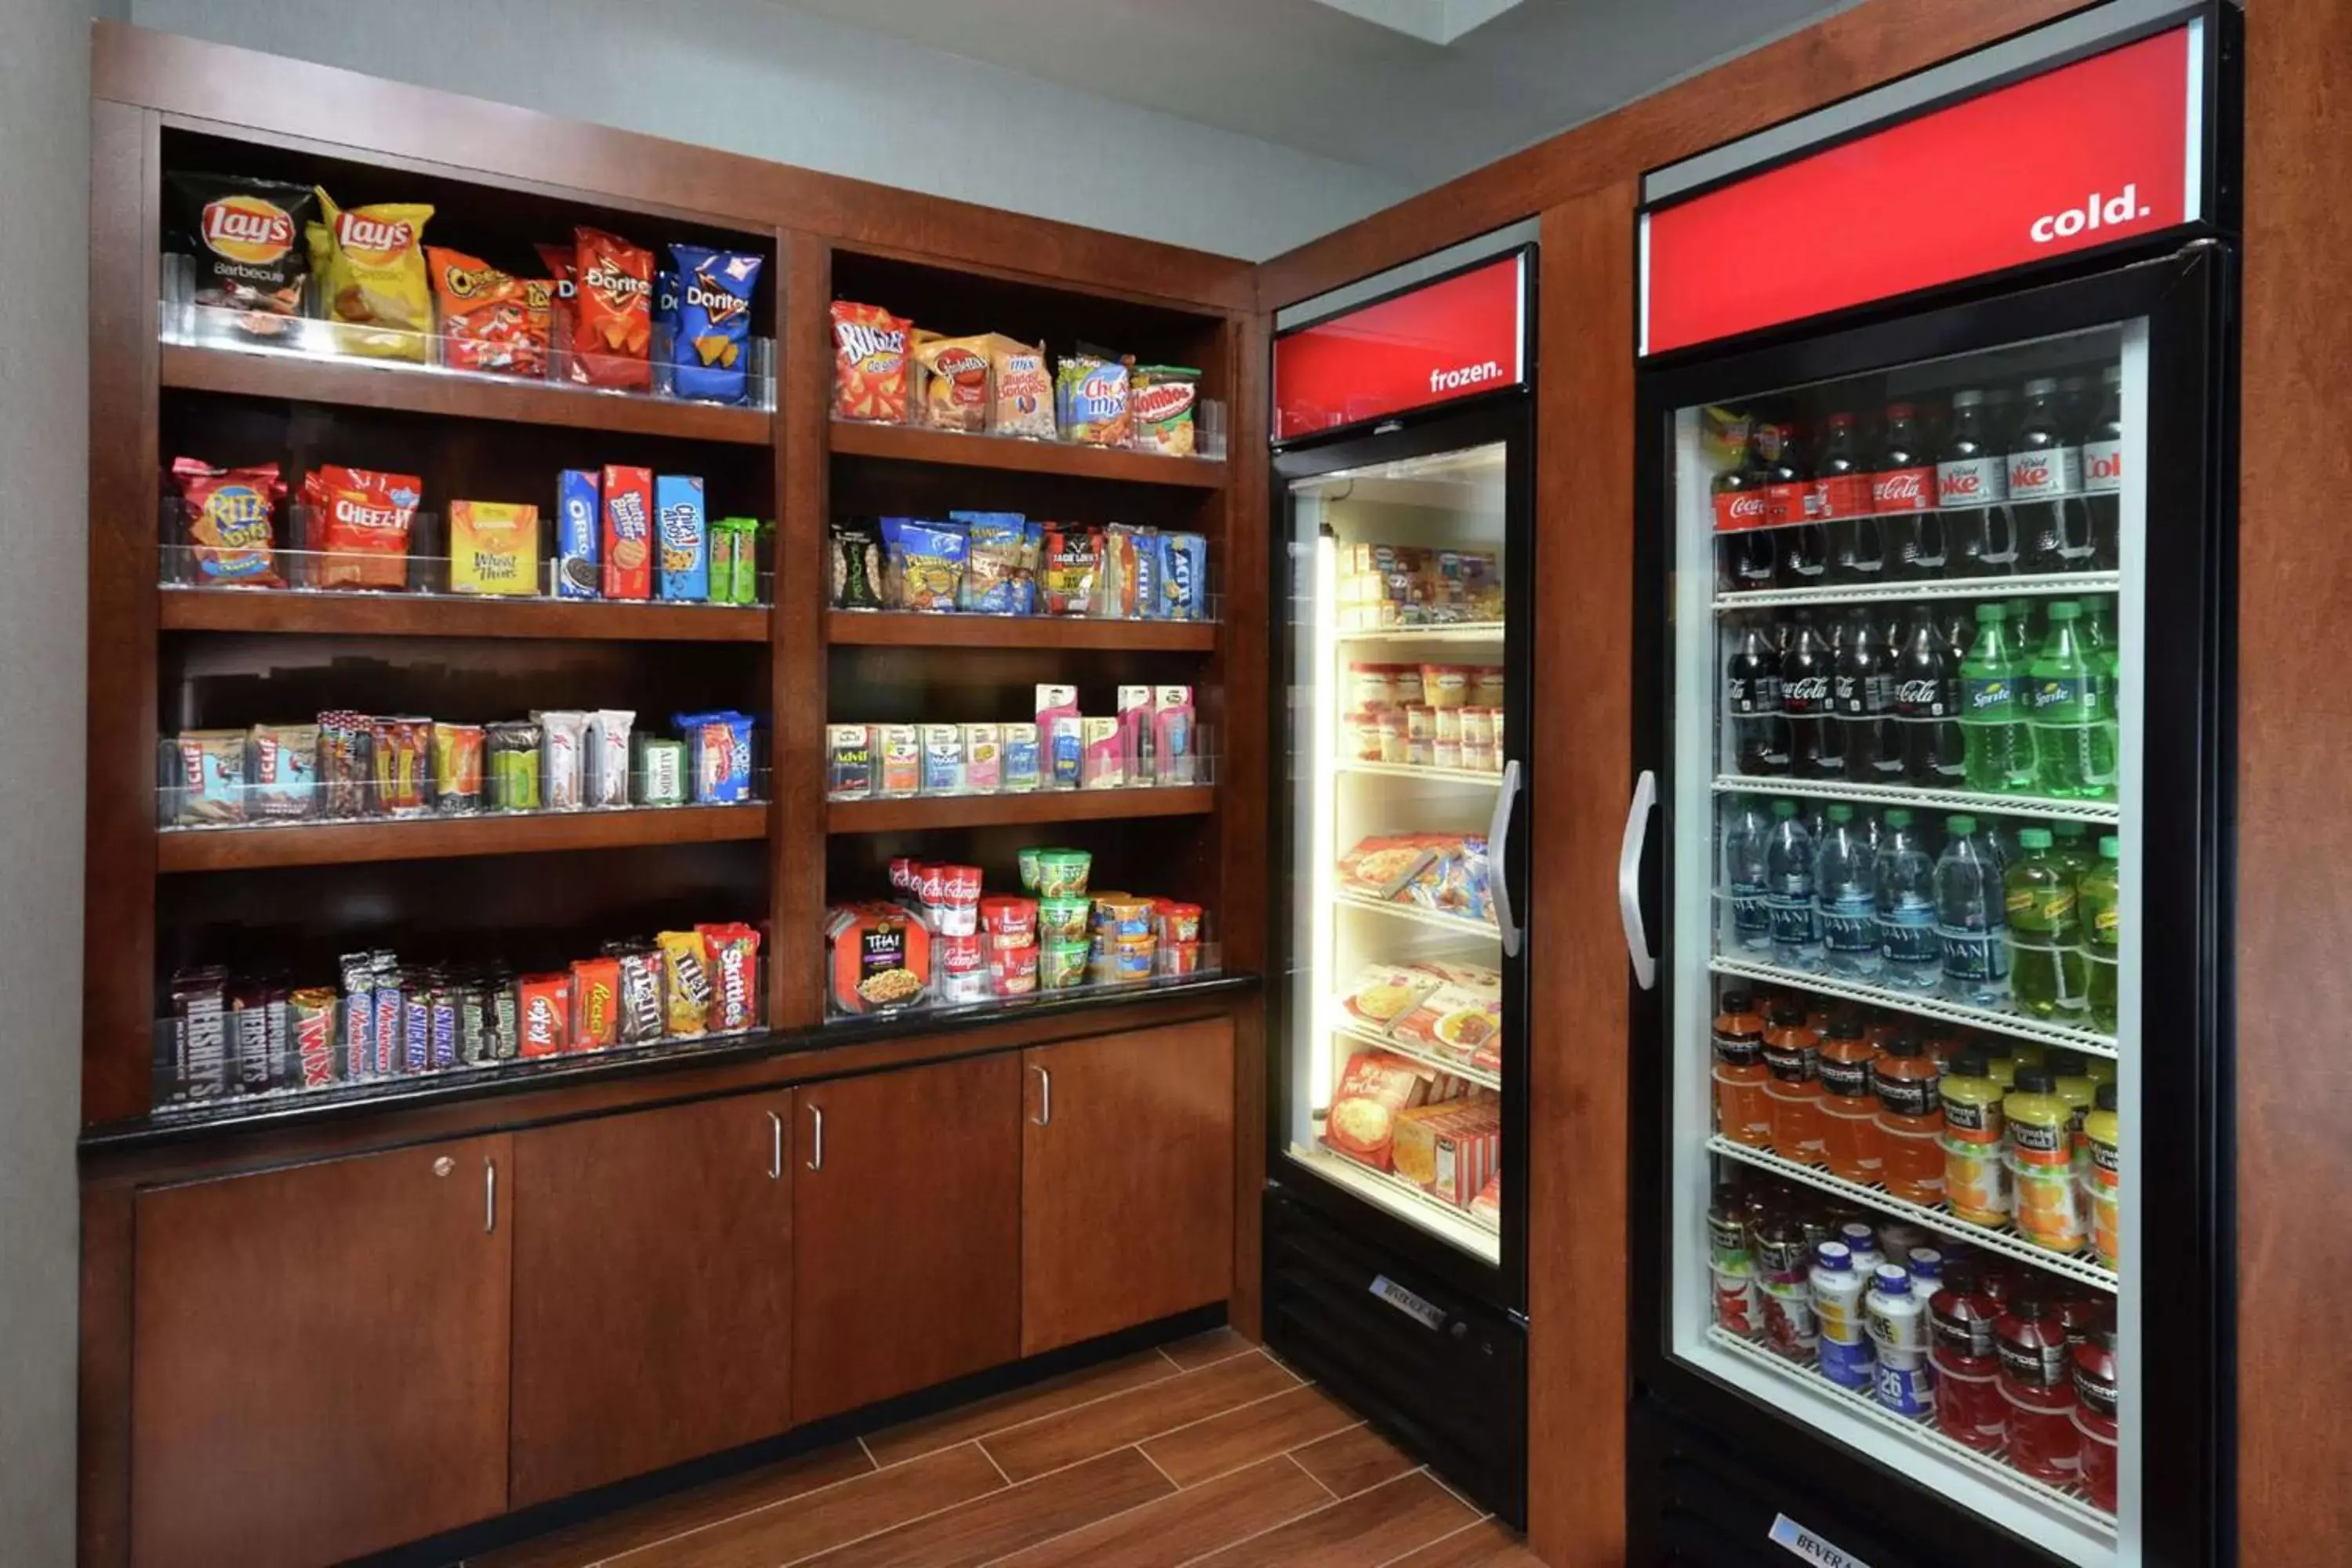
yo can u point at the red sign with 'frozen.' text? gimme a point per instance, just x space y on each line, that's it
2105 149
1458 337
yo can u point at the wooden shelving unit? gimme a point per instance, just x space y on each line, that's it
907 444
1007 810
447 615
363 384
855 628
435 838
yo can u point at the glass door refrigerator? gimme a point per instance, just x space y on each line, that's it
1395 1226
1931 1241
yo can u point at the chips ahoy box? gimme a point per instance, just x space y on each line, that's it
682 532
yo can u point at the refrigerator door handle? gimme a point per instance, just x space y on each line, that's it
1498 828
1629 878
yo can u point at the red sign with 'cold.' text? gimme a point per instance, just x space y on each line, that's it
2101 150
1458 337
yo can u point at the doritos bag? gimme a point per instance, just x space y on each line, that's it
373 273
613 323
714 322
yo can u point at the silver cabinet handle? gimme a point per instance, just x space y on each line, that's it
775 1147
816 1137
1498 829
1045 1117
489 1195
1629 878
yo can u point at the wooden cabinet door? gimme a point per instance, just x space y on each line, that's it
652 1290
320 1367
1127 1181
906 1231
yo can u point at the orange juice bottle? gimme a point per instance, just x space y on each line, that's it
2073 1083
1743 1112
1792 1056
1976 1172
2104 1177
2039 1124
1850 1137
1910 1120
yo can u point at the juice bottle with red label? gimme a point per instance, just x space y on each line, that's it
1792 1056
1850 1137
1743 1112
1910 1120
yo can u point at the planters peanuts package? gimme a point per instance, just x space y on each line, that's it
579 506
683 532
713 335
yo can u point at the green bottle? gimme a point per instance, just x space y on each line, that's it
2071 757
2046 963
1999 744
2101 924
2070 846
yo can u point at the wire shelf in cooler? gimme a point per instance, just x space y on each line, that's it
1477 777
2005 1241
1924 1434
1452 631
1460 1069
2036 806
2024 1028
2065 585
1420 916
1401 1197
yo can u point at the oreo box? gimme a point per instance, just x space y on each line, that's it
682 533
579 503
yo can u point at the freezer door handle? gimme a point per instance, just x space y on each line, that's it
1629 878
1498 830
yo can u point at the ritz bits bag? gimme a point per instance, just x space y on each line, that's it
869 363
372 262
611 313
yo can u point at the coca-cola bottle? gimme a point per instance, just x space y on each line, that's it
1751 697
2103 472
1747 554
1973 486
1862 687
1842 500
1789 508
1927 675
2045 486
1816 750
1903 494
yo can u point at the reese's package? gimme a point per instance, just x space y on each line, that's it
613 316
247 238
714 322
372 266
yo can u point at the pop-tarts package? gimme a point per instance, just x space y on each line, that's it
718 755
1182 578
579 506
713 335
682 530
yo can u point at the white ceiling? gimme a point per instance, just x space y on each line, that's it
1318 76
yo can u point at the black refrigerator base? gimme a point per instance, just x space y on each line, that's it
1441 1373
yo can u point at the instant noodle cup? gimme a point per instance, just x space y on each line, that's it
1124 916
1009 919
1012 971
1062 965
1179 958
1180 922
1061 873
1131 957
1064 919
1026 859
960 899
964 968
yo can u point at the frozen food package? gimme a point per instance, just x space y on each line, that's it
1383 992
1374 1090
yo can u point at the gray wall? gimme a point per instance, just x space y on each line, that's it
44 422
760 78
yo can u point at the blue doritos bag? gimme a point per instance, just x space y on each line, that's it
713 339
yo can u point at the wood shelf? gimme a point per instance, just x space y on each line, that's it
360 383
448 615
998 810
437 839
903 630
906 444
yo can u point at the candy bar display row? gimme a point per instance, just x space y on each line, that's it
1003 563
618 532
266 263
235 1035
1151 741
942 940
355 766
889 371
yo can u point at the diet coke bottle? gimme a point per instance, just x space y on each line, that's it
1746 549
2103 472
1973 486
1903 494
2045 486
1842 500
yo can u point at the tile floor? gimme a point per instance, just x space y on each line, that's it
1208 1452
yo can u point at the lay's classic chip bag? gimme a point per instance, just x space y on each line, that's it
714 322
371 261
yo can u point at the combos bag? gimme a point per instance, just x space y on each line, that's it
247 241
714 322
613 313
372 262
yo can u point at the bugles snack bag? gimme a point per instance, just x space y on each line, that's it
869 363
373 273
612 321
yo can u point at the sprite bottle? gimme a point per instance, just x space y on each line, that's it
2074 753
2046 963
1997 742
2101 924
